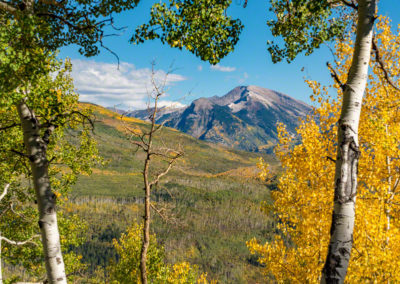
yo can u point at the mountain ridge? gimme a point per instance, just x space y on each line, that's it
244 118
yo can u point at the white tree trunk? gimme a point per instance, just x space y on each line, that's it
46 199
343 216
1 264
390 193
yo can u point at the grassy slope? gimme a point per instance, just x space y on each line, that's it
211 199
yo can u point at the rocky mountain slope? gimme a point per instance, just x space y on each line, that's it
245 118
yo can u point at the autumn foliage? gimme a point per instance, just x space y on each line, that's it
126 269
303 202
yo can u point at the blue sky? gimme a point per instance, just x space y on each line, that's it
98 80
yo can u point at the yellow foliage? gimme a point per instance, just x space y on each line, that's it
59 95
109 113
127 270
303 202
264 169
203 280
181 273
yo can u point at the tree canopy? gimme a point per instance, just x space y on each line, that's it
200 26
306 24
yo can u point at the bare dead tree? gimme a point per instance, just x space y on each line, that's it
144 140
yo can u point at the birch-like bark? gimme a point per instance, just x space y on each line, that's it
348 153
390 196
46 199
390 193
1 263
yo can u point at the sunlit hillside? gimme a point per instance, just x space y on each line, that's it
210 201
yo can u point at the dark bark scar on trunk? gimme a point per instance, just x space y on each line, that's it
346 184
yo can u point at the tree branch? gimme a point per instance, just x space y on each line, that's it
166 153
139 144
51 2
158 212
164 217
20 153
396 184
135 133
381 65
5 210
330 159
335 76
170 164
65 21
350 4
109 50
22 216
20 243
7 7
9 126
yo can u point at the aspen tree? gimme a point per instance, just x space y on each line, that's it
34 119
305 25
305 189
348 151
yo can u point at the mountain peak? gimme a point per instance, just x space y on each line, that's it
244 118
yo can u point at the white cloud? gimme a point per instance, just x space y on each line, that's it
200 68
102 83
223 68
171 104
244 78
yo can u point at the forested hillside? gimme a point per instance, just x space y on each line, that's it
211 201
